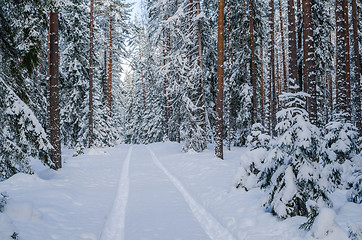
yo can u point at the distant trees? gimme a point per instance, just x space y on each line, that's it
31 40
259 65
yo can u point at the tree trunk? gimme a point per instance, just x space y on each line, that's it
262 87
91 75
202 91
165 85
341 92
285 79
110 66
48 81
252 63
105 79
309 72
348 65
358 67
143 81
54 111
277 82
299 45
220 82
293 66
227 80
272 69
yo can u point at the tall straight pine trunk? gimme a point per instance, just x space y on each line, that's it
91 74
285 78
220 81
341 90
292 47
348 62
262 87
252 63
309 72
271 51
357 63
202 91
54 110
110 66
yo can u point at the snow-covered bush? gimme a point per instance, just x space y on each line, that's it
4 196
354 232
6 228
338 149
292 172
252 162
355 193
258 137
22 136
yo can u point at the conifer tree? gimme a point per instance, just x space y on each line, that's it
220 82
21 87
75 75
54 110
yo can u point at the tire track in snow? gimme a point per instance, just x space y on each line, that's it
211 226
114 225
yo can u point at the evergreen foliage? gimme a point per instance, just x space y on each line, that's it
74 68
292 174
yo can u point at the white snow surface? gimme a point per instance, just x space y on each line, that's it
154 192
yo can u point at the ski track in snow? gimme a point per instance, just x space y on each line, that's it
114 226
211 226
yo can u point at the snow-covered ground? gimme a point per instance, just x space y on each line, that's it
153 192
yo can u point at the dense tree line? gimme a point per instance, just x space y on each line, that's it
56 83
283 76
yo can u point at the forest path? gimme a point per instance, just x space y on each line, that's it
153 204
156 210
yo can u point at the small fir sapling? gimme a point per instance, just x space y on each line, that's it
338 150
292 170
252 162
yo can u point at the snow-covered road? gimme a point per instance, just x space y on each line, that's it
154 192
153 204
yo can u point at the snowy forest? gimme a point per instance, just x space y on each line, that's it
280 79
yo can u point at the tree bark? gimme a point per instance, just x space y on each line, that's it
299 45
285 79
348 64
292 41
220 82
341 92
54 111
48 80
262 87
143 81
357 62
110 66
227 79
165 85
272 69
202 91
91 75
252 63
309 72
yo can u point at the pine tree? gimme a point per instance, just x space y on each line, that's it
220 82
271 66
292 172
21 88
292 42
357 63
75 75
54 110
